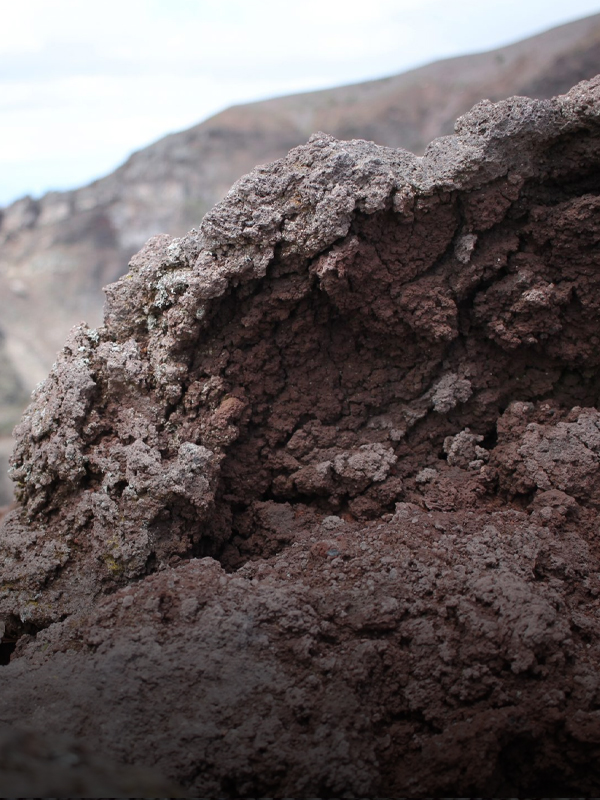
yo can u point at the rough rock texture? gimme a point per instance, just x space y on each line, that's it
56 252
315 512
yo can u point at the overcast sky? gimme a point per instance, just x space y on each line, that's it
84 83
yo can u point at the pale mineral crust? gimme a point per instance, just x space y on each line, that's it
315 512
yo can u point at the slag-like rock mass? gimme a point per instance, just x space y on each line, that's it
338 451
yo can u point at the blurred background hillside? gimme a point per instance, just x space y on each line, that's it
85 84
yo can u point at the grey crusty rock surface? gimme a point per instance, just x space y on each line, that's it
57 251
314 513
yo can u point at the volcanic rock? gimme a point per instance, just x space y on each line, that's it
44 765
314 513
56 252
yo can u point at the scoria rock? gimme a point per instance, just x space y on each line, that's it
57 251
314 512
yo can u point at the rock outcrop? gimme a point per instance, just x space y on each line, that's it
13 398
56 252
314 513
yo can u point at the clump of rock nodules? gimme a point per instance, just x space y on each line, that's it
315 512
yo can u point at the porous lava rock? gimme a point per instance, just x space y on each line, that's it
315 512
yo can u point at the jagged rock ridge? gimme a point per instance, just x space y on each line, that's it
368 387
57 252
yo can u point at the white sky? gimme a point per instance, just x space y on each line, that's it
84 83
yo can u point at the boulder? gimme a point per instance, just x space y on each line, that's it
314 512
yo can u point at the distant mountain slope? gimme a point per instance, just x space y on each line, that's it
57 252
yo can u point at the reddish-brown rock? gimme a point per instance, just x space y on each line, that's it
56 252
56 765
314 513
